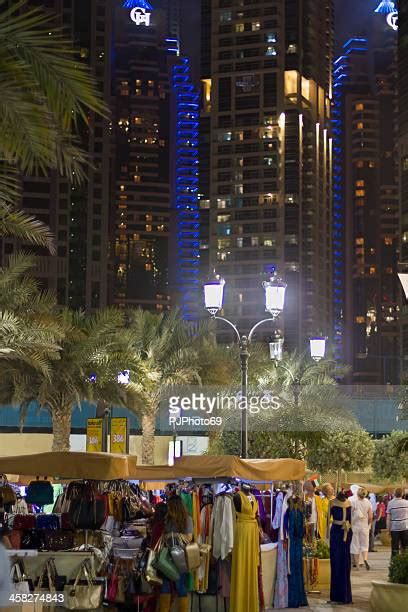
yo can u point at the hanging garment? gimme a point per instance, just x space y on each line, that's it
295 519
281 586
223 526
340 559
322 507
245 558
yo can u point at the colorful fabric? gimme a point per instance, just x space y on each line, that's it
296 587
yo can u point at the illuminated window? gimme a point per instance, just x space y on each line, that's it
254 241
271 37
360 320
389 270
360 125
372 270
122 188
149 217
360 193
226 17
359 107
148 228
360 183
148 267
138 91
240 243
150 83
137 120
360 202
223 218
388 241
359 240
137 178
239 27
256 26
271 50
292 48
371 164
138 82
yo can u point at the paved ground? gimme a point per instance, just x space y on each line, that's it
361 584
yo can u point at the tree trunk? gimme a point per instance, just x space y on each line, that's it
61 428
148 431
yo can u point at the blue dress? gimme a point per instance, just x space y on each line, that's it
295 519
340 558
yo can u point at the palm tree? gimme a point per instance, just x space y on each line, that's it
45 94
93 352
165 349
29 331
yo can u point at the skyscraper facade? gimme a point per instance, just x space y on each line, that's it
266 73
366 206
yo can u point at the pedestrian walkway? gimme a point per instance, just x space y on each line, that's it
361 585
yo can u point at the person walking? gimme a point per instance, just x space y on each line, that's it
397 522
373 500
361 519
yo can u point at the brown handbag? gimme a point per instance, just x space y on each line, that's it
57 539
7 493
193 556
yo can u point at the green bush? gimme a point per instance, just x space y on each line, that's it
398 572
322 550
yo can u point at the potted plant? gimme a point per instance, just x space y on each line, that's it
392 596
316 566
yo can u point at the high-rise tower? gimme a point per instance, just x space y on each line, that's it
366 205
266 71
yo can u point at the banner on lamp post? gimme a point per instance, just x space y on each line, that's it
94 435
119 436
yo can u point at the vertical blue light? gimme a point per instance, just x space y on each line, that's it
186 190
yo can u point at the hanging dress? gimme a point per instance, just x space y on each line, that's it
245 558
281 586
296 530
340 558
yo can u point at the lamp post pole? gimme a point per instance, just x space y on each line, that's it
274 301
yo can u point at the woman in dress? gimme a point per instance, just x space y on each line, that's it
340 541
361 519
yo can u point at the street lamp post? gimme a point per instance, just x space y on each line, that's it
274 302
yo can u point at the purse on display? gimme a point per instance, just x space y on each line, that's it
24 521
116 587
88 596
21 584
15 539
46 582
48 521
178 555
88 513
31 540
7 492
57 539
40 493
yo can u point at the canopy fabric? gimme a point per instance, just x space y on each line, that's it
72 465
373 488
214 467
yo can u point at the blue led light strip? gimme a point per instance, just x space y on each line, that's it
137 4
186 203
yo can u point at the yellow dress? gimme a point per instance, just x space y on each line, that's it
245 558
322 507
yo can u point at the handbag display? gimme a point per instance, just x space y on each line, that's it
117 586
47 521
21 583
178 555
88 596
32 540
40 493
57 539
7 493
15 539
88 513
150 571
46 583
24 521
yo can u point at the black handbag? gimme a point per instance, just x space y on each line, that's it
40 493
88 513
32 540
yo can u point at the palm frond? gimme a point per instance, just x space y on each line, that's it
25 227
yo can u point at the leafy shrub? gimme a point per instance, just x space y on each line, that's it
398 572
